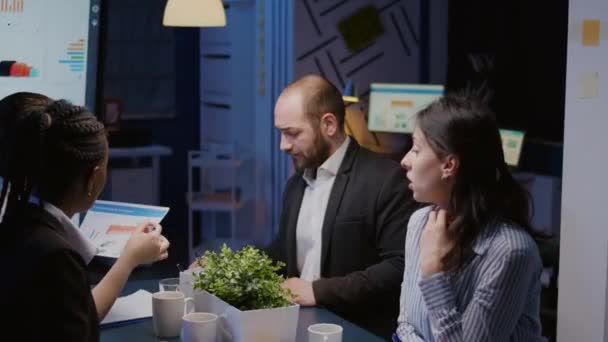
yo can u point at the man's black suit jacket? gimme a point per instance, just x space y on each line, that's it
363 239
45 292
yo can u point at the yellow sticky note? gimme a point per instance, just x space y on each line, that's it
591 32
589 85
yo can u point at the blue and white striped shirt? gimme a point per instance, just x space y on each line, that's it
494 298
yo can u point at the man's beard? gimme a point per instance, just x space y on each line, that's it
318 155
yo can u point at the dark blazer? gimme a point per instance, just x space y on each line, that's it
363 239
44 291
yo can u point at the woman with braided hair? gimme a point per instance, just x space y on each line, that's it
59 153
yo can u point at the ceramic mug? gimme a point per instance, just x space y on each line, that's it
199 326
168 308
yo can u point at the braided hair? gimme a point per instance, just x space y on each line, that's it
45 146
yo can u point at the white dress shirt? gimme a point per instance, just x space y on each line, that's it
312 213
74 235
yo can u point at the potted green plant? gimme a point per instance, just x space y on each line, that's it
244 289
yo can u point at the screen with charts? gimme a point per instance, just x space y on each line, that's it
512 142
393 107
49 47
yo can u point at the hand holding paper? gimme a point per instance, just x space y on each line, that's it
110 225
145 246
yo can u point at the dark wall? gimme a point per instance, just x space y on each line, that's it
181 134
520 47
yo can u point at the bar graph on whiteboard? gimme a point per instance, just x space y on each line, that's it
11 6
44 48
75 57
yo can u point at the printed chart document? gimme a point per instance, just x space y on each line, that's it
109 224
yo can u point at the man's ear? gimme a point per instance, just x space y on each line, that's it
450 166
329 124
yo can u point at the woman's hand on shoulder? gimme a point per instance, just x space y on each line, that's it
435 243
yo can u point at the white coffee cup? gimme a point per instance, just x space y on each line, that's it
168 308
324 332
199 327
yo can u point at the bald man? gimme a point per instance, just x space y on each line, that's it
345 212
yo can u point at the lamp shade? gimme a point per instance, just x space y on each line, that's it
194 13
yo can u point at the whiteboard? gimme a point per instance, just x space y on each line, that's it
50 47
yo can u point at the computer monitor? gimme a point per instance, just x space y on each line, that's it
512 142
393 107
50 47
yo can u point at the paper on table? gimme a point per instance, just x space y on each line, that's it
134 306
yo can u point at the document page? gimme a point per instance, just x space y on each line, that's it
134 306
110 224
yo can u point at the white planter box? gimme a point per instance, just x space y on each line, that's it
266 325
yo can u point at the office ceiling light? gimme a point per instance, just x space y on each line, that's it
194 13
